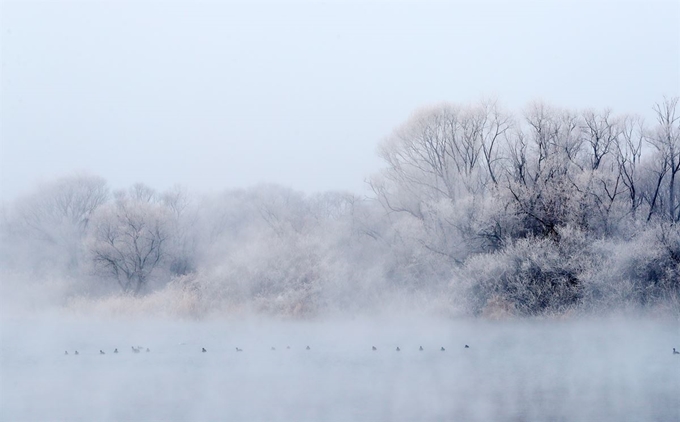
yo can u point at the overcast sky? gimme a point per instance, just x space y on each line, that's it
217 95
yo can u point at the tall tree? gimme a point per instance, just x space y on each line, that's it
128 240
666 139
58 214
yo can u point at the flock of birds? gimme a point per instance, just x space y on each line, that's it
203 350
139 349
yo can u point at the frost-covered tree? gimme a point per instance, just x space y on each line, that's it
55 217
547 210
530 276
628 154
441 164
545 158
664 190
128 239
182 224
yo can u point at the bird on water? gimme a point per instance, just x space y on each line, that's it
115 350
421 348
374 348
398 349
76 352
467 347
203 350
101 352
239 350
675 352
442 349
309 348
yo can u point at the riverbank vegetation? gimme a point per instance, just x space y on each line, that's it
477 210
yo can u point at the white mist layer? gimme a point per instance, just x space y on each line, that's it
514 370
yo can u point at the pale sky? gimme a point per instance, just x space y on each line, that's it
216 95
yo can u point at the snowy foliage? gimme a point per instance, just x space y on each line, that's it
477 210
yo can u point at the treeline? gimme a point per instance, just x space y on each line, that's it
477 211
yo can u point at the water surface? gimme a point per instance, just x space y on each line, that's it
607 370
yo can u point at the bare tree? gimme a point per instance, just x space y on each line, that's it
182 221
495 123
657 167
628 150
58 213
601 131
666 140
129 239
545 159
143 193
438 162
441 152
601 173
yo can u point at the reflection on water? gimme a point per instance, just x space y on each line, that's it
513 371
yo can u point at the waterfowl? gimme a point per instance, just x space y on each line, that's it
203 350
76 352
101 352
273 348
66 352
309 348
442 349
675 352
147 350
467 347
134 349
115 350
374 348
421 348
239 350
287 347
398 349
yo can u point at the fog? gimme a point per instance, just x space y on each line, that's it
567 367
495 182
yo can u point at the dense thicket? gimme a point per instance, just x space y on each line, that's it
476 210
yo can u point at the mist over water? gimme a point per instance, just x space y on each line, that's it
530 275
332 208
605 370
